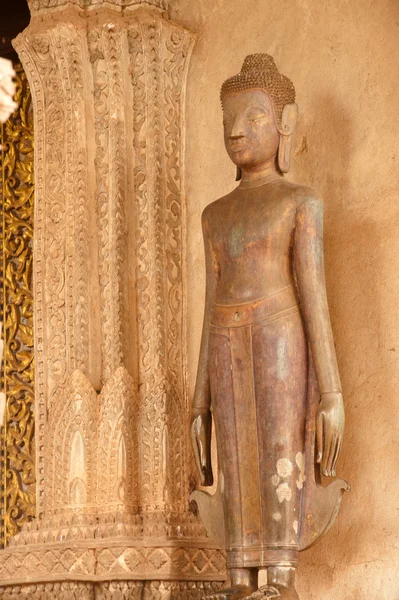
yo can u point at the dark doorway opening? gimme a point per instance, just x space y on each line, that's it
14 18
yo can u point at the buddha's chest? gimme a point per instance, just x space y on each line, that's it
256 229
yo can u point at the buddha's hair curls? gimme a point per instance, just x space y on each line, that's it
260 71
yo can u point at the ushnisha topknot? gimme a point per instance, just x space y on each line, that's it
260 71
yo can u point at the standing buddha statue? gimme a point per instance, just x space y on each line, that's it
267 369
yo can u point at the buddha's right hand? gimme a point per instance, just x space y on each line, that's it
201 433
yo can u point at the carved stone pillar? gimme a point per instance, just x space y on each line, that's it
113 521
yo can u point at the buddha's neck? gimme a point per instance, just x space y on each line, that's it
259 175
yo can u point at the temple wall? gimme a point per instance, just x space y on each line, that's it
341 57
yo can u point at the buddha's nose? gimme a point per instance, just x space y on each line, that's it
237 130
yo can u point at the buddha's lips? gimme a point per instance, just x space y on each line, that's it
237 146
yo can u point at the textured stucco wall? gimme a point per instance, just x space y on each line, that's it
342 57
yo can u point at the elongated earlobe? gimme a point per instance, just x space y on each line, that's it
288 124
238 174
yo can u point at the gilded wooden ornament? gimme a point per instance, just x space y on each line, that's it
18 492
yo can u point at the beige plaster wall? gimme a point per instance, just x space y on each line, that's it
343 59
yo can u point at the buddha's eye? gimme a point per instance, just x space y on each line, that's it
256 118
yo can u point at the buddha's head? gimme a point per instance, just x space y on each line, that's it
259 114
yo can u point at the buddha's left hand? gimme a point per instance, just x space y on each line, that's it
330 423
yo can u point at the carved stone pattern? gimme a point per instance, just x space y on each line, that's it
124 590
114 590
118 424
162 444
74 413
16 199
159 250
52 243
159 223
71 590
91 524
115 338
160 590
44 5
147 563
105 55
114 456
143 266
113 414
178 47
70 55
152 39
65 210
153 563
46 564
40 404
102 169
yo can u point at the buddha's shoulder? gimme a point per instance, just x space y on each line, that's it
216 206
298 192
301 194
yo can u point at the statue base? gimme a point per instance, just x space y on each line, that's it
262 593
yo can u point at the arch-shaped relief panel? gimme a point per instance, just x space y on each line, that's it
117 445
162 448
71 465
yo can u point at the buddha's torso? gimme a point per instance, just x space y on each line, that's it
251 234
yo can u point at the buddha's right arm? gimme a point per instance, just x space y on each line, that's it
201 417
202 394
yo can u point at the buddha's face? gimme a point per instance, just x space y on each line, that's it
251 136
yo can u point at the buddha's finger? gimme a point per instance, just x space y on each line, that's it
331 455
336 456
327 449
319 437
195 446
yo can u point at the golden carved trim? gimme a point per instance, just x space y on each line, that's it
18 490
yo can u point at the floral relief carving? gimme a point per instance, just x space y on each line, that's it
110 162
143 259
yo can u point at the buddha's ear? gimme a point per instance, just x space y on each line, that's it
238 174
288 124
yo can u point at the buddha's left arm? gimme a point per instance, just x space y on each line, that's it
309 270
